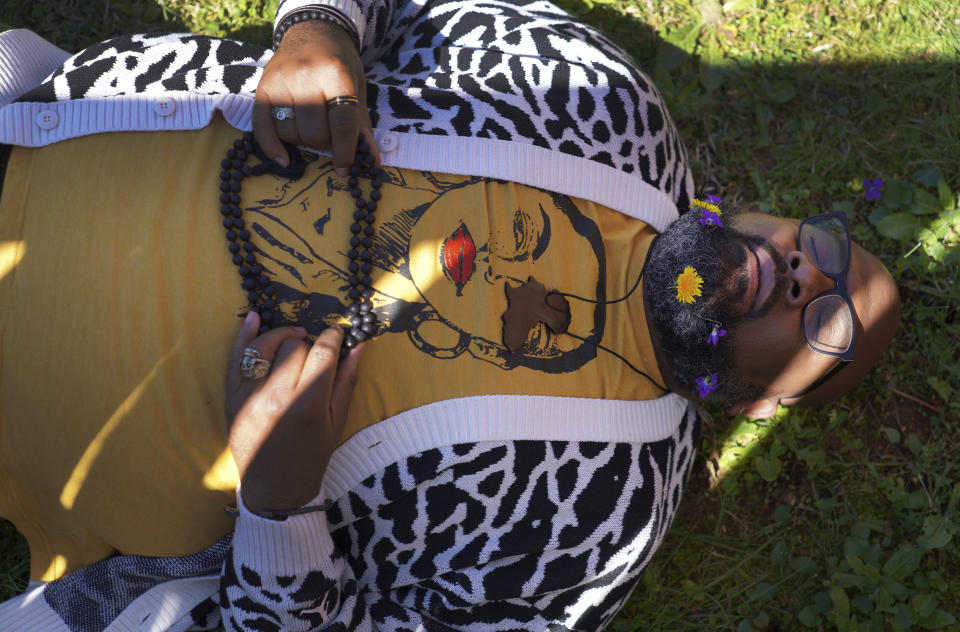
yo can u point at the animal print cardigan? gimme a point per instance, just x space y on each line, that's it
540 524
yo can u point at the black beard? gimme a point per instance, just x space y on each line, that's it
719 255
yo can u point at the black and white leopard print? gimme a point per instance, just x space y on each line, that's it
522 535
554 534
520 72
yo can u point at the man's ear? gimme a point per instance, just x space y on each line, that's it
759 409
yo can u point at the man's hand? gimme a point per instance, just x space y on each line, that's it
315 62
284 427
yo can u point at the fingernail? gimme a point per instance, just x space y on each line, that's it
301 330
342 171
250 318
280 160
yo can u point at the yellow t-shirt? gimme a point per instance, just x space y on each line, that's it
119 302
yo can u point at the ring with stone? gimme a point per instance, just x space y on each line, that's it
347 99
252 366
282 113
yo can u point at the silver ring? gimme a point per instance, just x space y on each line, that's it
252 366
282 113
347 99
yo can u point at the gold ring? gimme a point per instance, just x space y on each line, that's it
252 366
347 99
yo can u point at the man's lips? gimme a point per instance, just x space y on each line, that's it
762 277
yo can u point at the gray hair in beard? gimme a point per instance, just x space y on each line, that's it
718 255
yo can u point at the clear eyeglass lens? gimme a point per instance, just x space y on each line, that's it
825 242
828 324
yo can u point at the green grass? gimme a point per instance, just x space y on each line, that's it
841 518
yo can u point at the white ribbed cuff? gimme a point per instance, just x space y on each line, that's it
283 547
25 61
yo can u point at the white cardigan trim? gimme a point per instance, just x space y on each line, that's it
498 418
508 160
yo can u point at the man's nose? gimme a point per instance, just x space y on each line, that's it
804 280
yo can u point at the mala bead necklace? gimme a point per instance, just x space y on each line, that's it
260 291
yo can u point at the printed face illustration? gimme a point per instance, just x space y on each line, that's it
486 236
442 259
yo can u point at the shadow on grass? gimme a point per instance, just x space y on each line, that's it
793 138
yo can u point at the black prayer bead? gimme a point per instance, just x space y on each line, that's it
231 235
234 247
236 164
267 317
358 215
353 266
263 281
358 334
367 328
353 280
248 247
367 242
235 187
365 307
366 281
370 217
224 175
368 231
376 182
355 191
269 303
253 297
250 258
226 163
224 198
356 320
354 241
355 228
248 284
349 341
352 181
366 268
225 209
355 170
366 294
255 269
237 260
236 211
375 195
238 222
369 317
360 202
234 198
354 308
365 255
238 143
228 222
244 271
353 293
245 235
225 187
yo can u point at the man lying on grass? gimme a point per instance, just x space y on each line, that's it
498 233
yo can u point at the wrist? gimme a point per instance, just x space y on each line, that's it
310 21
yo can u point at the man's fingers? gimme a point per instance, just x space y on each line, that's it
266 344
344 121
288 363
321 365
265 131
344 382
312 125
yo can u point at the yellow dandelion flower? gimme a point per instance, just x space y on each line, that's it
713 208
688 285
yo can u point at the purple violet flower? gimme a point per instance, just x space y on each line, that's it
706 385
709 218
714 199
872 189
716 334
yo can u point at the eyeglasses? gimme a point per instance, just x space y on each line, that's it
828 319
829 325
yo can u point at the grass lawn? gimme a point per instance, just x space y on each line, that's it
839 518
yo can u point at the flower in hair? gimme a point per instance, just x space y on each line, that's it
688 285
709 211
716 334
707 385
